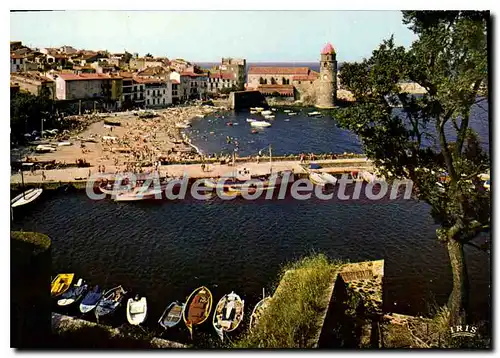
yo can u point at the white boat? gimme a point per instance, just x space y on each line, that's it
138 194
270 116
63 144
200 116
182 125
330 179
253 112
250 120
368 177
260 124
137 310
44 148
317 179
228 314
314 113
286 110
287 120
292 114
265 113
273 109
256 109
27 197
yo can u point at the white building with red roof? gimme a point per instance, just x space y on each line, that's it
83 86
219 80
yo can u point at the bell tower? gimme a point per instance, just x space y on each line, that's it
327 91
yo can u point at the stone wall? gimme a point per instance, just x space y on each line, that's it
246 99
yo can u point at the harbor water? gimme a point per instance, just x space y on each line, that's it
165 249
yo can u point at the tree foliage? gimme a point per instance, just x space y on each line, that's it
429 137
26 113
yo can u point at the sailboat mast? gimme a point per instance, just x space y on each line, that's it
263 292
22 180
270 160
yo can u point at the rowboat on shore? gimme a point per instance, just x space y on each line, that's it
74 294
228 314
26 197
198 307
259 309
250 120
172 315
110 301
317 179
330 179
61 284
137 310
91 300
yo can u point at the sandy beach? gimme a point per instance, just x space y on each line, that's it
130 142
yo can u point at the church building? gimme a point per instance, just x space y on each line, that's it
299 83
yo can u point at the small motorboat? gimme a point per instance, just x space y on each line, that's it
140 193
137 310
110 301
250 120
74 294
91 300
270 116
287 110
287 119
266 113
314 114
61 284
26 197
198 307
228 314
260 124
254 131
172 315
229 123
292 114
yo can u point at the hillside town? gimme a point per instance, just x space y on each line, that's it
117 81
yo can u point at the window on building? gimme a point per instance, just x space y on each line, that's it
163 100
148 101
163 91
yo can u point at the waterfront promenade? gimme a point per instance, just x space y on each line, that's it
70 175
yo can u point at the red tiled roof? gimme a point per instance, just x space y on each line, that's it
328 49
284 90
175 82
37 76
148 80
192 74
225 76
311 77
86 76
13 55
278 71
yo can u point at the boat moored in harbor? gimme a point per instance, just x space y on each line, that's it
228 314
198 307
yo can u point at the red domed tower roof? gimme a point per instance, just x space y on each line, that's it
328 49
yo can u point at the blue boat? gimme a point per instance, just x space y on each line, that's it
91 300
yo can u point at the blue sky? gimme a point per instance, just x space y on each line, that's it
204 36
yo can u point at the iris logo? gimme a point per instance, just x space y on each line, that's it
463 331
